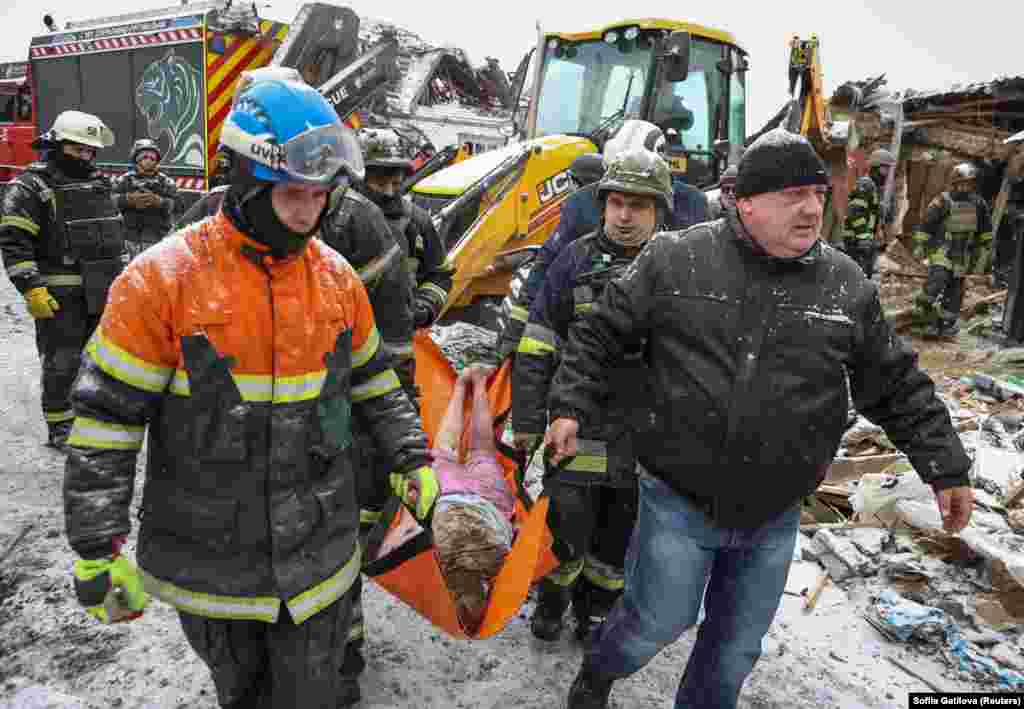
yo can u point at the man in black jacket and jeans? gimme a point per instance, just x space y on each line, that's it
753 329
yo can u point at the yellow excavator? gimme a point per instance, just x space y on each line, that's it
573 91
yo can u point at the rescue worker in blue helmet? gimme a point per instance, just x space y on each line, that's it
247 348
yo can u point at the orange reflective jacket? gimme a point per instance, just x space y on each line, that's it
247 369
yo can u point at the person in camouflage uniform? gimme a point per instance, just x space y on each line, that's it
62 240
146 197
862 216
956 239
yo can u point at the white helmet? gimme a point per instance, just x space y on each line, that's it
1015 138
78 127
634 135
964 172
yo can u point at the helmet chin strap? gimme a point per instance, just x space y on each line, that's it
72 166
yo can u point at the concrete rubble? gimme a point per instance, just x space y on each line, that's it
960 596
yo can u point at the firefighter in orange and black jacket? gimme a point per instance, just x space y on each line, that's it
247 348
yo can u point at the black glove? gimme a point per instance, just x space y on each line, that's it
422 316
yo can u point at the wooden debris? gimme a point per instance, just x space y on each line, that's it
1015 493
16 541
915 674
812 597
871 524
845 469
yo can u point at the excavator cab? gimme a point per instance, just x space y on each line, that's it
688 80
574 90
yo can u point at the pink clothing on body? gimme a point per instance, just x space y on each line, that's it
481 475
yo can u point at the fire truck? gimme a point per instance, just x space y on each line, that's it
17 119
166 74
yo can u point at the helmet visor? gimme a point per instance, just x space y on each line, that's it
315 156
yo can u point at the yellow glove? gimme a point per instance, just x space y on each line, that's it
110 589
41 304
418 490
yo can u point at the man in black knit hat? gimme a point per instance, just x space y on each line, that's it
751 328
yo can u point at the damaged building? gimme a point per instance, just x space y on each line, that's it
939 129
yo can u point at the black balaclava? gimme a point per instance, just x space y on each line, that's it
71 166
250 209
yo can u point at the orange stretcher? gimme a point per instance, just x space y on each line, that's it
410 571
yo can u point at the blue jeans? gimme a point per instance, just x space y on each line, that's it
674 553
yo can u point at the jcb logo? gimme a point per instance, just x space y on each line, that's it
554 186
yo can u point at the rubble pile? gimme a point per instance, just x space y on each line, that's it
874 529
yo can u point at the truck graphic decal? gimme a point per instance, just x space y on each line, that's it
169 96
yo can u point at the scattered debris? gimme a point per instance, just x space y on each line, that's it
812 597
903 620
915 674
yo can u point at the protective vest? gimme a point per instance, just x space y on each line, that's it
960 227
146 225
605 441
88 231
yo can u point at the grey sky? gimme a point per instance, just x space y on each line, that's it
917 44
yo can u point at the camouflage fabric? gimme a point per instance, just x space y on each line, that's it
145 227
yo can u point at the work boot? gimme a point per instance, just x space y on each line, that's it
349 693
546 622
589 691
58 434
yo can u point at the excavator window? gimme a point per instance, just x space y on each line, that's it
737 101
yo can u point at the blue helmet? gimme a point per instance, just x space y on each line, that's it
284 131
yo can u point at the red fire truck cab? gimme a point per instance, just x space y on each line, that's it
17 119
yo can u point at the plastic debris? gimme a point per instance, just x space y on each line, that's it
904 620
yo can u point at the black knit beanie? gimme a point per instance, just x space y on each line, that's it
777 160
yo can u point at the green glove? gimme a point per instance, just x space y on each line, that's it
110 588
418 490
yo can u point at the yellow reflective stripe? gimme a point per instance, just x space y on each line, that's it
299 388
92 433
369 516
62 279
126 367
377 266
437 290
584 307
21 223
263 388
566 573
541 334
939 257
602 575
208 605
311 602
356 632
518 312
378 385
858 222
58 416
921 236
985 237
588 464
591 457
20 268
859 202
365 353
528 345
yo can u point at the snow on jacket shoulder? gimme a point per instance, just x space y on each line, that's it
750 358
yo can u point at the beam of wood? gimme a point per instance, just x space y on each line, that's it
812 597
915 674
